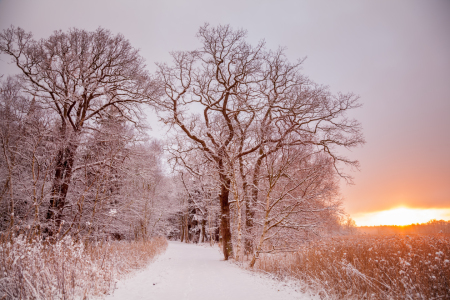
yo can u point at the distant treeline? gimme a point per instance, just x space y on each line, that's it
431 227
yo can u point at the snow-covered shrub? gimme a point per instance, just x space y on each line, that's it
370 267
69 269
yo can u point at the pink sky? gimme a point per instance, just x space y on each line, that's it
394 54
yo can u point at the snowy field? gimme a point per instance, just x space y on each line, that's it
189 271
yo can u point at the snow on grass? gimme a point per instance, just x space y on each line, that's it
369 267
69 269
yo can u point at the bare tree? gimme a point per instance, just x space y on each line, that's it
217 78
299 194
117 190
11 112
26 148
252 103
79 76
298 112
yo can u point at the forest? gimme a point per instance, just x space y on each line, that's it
251 159
251 156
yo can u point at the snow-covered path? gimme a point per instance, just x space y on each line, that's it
187 271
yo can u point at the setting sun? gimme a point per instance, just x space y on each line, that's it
401 216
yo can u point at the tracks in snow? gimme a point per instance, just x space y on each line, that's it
188 272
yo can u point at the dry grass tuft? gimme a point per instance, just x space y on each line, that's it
370 267
68 269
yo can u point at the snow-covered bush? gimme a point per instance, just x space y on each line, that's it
69 269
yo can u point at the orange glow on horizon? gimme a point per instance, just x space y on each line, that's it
401 216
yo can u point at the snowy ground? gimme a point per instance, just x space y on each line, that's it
187 271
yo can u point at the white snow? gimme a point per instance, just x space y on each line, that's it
188 271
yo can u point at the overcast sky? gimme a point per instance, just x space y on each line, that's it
394 54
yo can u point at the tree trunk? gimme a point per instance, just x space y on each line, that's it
63 174
186 227
225 216
251 203
265 230
204 236
238 215
182 229
239 230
